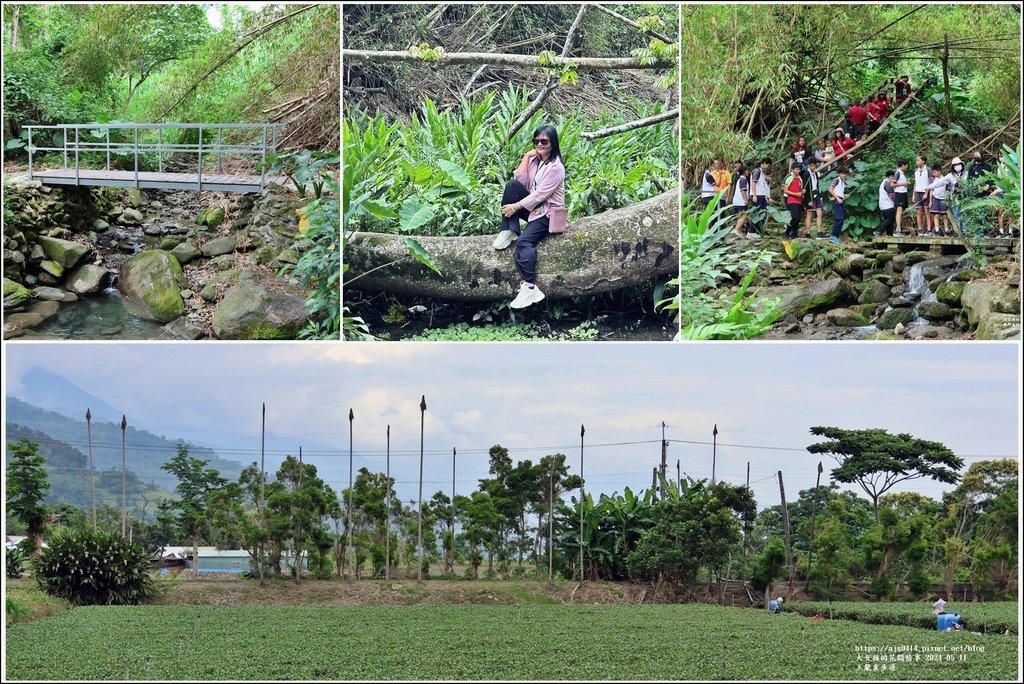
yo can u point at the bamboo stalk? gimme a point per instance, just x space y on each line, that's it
357 56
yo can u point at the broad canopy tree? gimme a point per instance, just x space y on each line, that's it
876 460
26 487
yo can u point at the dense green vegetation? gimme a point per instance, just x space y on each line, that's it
422 161
480 642
989 617
105 63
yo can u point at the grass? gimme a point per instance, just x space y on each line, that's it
483 642
26 602
996 616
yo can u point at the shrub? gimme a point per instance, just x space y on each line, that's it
14 563
94 568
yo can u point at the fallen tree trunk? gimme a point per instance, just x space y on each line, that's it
602 253
355 56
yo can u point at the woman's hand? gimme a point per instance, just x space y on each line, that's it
509 210
530 155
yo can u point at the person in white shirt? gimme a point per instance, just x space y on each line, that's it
922 178
708 186
938 208
760 196
812 196
900 184
837 191
741 198
887 203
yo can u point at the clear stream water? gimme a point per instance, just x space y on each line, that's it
96 317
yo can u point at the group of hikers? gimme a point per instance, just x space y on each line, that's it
748 190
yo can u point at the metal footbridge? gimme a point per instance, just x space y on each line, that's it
130 154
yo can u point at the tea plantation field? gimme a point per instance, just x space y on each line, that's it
487 642
996 616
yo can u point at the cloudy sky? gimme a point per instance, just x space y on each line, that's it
532 398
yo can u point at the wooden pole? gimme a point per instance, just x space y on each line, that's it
124 481
945 78
419 568
810 544
664 457
679 476
582 494
785 526
551 521
92 472
451 563
297 532
447 58
263 491
387 511
714 451
351 563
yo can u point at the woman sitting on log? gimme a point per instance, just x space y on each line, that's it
537 188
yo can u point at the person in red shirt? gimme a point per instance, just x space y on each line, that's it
858 115
793 187
884 107
903 89
874 119
841 142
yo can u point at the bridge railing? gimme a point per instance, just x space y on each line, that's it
75 146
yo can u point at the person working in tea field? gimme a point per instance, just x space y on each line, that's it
793 187
922 178
837 191
900 184
536 192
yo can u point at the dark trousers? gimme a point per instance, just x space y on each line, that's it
529 237
758 217
840 216
888 221
796 212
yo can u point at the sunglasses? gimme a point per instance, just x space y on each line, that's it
541 142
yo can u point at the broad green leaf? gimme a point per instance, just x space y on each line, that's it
414 214
417 252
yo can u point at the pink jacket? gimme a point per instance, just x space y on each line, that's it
550 192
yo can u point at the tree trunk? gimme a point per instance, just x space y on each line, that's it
195 553
601 253
15 16
445 58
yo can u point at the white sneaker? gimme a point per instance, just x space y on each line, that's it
526 297
504 239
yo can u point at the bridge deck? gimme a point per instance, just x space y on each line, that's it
909 242
162 181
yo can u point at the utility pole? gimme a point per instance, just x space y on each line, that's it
814 510
92 473
350 552
582 494
387 512
124 481
679 476
785 527
263 490
419 569
714 451
654 479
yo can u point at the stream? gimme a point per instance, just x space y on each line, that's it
96 317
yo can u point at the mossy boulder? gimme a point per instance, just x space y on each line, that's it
950 293
998 326
873 292
150 283
211 216
185 252
218 246
893 317
15 294
170 242
64 252
968 275
847 318
1007 301
87 279
53 268
252 312
803 299
935 311
131 217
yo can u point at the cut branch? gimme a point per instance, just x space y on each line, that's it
357 56
633 125
552 80
629 22
615 249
